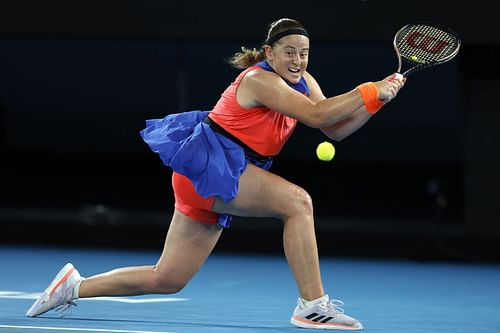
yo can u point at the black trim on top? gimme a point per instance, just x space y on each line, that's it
248 151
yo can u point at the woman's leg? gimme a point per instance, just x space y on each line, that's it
187 245
263 194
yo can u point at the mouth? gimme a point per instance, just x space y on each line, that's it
294 70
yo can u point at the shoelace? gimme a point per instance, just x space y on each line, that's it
334 305
65 309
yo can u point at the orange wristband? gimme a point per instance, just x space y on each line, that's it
369 93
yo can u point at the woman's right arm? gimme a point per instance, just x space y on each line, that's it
268 89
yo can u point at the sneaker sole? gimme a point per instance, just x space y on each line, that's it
60 278
304 323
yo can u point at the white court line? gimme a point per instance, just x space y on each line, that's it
78 329
135 300
28 295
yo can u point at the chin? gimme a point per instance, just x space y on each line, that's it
294 80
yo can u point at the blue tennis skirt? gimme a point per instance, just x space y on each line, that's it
213 162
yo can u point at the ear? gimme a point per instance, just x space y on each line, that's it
268 51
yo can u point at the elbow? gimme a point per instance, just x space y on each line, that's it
334 135
319 118
317 121
315 124
314 117
337 137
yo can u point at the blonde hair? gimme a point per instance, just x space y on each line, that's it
248 57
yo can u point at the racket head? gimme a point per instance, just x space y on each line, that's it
422 45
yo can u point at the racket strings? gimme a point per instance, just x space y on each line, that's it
426 44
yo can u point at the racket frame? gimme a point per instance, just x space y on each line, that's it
420 66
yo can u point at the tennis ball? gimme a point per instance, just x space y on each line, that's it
414 58
325 151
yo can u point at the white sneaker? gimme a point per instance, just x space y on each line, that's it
324 314
59 294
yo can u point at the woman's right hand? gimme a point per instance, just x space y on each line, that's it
389 87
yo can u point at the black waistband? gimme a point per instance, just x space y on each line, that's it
248 151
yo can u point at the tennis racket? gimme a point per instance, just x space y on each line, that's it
421 45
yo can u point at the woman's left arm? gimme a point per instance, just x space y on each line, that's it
345 127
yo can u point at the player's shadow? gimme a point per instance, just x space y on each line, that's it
168 324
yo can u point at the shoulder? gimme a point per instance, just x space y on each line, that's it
311 81
260 78
258 73
315 90
257 86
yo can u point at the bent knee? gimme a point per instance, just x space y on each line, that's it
299 202
164 284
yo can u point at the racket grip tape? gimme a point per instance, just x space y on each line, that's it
398 76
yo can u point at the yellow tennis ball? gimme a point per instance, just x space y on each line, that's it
325 151
414 58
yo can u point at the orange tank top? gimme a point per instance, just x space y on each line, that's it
260 128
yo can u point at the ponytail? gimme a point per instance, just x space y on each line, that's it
246 58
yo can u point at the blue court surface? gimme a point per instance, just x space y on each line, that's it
238 293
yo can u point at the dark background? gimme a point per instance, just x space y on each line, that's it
79 78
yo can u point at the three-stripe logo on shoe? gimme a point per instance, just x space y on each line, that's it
318 318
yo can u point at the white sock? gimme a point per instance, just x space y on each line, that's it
76 290
310 304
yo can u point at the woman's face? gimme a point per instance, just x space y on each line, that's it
289 57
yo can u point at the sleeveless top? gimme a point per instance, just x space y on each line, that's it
212 161
260 128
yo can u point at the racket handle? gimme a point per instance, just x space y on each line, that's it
397 76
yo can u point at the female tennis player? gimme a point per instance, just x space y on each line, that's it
220 161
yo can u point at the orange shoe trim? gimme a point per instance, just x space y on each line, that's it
64 278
